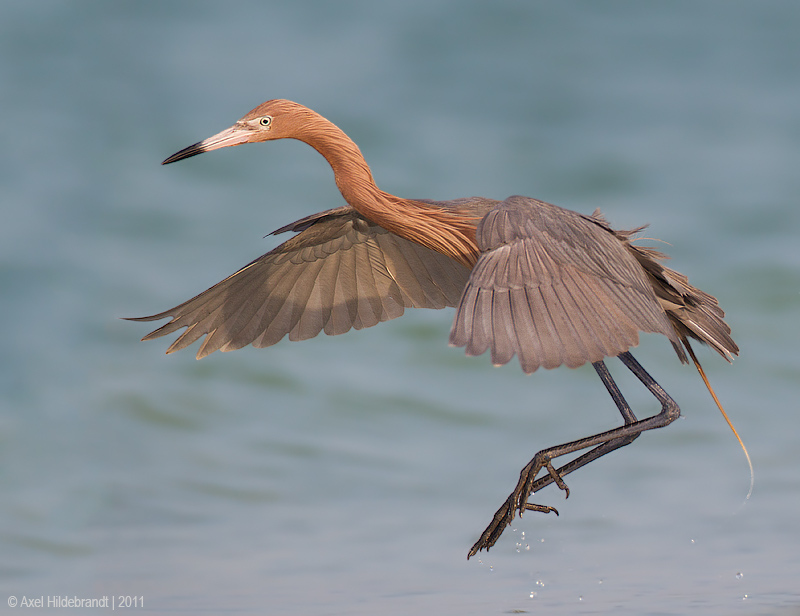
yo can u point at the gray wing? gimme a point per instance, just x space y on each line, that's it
339 272
553 287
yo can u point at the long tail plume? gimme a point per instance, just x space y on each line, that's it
724 414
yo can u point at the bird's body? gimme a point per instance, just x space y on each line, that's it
527 278
581 289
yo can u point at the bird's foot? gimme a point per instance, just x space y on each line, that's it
518 501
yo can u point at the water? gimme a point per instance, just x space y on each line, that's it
350 475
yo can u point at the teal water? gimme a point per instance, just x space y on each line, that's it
350 475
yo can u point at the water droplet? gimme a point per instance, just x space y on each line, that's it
540 583
491 567
527 546
600 581
744 598
692 541
533 594
739 575
580 598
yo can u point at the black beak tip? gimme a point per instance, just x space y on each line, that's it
192 150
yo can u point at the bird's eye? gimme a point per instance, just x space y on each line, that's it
265 121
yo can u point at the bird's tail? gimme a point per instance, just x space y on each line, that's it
724 414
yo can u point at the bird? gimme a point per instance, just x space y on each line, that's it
527 278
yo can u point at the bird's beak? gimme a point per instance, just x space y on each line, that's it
235 135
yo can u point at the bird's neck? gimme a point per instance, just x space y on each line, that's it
446 231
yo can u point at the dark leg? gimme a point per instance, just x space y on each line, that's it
602 443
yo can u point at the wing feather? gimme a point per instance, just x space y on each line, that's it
557 288
339 272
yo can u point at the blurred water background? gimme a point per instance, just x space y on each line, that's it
350 475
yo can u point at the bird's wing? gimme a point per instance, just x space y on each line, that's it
553 287
339 272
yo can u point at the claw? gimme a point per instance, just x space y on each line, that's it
539 508
557 479
518 501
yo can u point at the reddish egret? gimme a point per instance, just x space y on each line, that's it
527 278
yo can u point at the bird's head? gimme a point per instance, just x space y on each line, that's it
275 119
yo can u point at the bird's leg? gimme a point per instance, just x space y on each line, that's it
599 450
504 516
603 443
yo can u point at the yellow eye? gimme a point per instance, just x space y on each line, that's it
265 121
